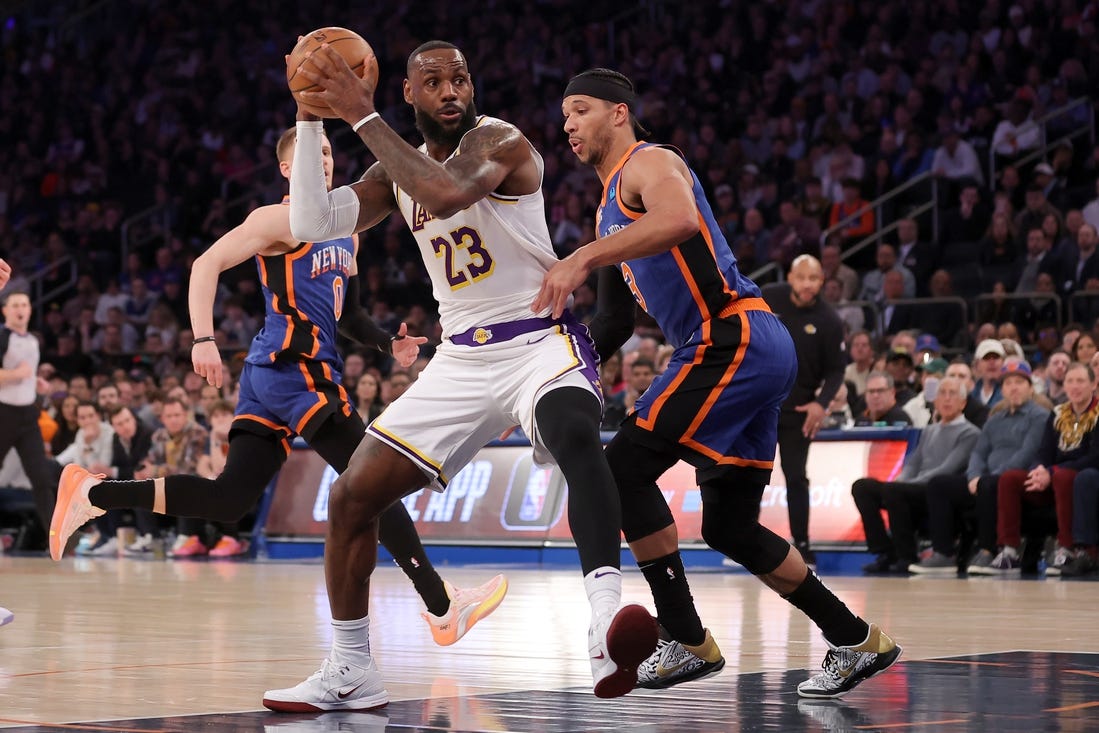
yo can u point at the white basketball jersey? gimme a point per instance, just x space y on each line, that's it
487 261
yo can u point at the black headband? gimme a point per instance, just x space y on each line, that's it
600 88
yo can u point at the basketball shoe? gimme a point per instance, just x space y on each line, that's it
335 686
845 667
617 644
467 607
73 509
674 663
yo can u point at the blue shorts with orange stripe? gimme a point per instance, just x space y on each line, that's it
289 397
717 403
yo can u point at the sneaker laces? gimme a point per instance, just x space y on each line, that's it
836 661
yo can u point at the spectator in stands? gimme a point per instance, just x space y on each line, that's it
919 258
873 281
1091 210
944 449
1056 366
1076 266
1085 525
368 397
1084 348
1033 216
852 316
67 425
1068 445
210 465
795 235
956 160
1038 259
901 364
752 248
881 409
1042 308
176 449
832 267
862 225
920 406
968 222
989 360
129 448
1008 441
815 205
999 245
395 385
860 349
1017 133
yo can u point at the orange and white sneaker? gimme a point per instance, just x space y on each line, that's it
73 509
229 547
467 607
187 545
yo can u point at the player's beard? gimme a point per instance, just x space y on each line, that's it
437 133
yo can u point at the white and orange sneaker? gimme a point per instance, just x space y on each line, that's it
467 607
73 509
229 547
617 645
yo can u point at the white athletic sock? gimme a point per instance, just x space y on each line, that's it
351 640
604 588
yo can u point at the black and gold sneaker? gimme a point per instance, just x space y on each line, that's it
845 667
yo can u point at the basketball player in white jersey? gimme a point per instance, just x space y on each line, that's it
472 197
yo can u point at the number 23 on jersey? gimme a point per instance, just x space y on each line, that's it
461 274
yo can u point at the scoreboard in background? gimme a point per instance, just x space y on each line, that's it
502 497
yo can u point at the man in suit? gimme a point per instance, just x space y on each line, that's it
917 257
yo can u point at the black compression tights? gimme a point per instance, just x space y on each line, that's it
568 424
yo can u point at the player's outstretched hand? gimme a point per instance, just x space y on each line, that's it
406 349
206 360
5 273
345 92
558 284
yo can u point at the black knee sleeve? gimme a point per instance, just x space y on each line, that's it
636 469
730 520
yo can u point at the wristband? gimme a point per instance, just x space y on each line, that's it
202 340
393 340
363 121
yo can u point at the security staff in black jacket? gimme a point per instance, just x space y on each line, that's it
818 340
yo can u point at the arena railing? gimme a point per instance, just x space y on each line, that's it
1031 296
40 296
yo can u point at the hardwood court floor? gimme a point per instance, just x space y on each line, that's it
122 645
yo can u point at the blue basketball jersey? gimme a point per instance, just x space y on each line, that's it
304 291
691 283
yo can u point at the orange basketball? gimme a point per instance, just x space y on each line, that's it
348 44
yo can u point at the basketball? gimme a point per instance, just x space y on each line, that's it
348 44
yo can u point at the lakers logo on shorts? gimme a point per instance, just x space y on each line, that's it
482 335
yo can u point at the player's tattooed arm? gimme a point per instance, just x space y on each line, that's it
490 153
375 192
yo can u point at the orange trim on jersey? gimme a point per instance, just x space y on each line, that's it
342 392
262 421
649 423
291 301
726 379
743 305
322 399
618 166
696 294
707 236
